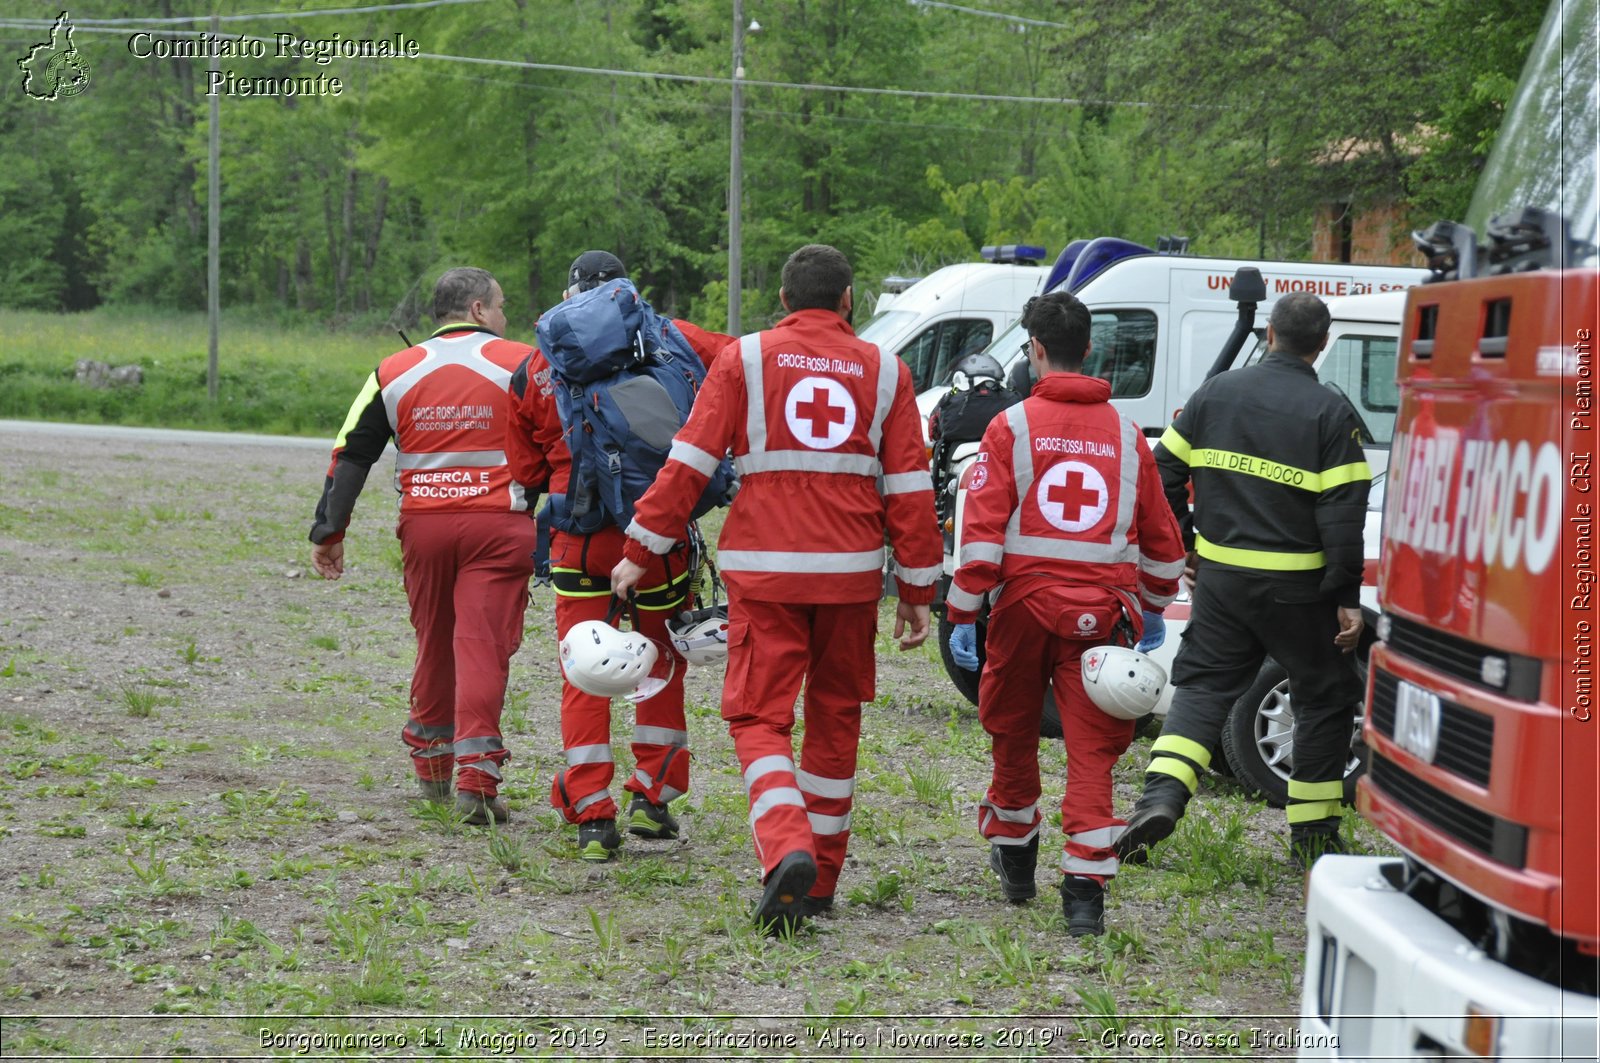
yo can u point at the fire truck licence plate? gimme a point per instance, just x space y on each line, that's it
1416 720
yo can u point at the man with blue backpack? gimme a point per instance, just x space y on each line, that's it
596 406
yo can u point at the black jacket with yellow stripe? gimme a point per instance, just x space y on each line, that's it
1280 480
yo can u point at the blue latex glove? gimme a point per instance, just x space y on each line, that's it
964 646
1155 632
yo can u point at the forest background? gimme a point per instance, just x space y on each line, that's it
1227 121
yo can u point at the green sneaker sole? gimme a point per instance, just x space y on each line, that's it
596 852
641 824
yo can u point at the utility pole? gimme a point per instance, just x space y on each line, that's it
213 230
736 173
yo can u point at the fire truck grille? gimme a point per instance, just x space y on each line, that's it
1466 737
1500 840
1509 674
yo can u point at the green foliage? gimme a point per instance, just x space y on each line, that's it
1229 121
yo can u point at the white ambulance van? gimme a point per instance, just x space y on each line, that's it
1158 321
955 311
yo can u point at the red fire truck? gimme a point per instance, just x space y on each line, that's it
1483 938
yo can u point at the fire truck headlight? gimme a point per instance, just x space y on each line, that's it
1382 627
1493 671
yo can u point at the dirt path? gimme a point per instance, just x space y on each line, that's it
206 815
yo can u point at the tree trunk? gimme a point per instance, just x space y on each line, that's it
374 235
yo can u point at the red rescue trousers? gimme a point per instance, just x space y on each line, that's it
772 649
581 565
1023 657
466 576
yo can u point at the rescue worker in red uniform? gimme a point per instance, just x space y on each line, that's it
825 434
465 536
1064 508
580 567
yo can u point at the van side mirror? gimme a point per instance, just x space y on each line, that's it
1248 286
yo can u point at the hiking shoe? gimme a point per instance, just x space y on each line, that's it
1083 902
1014 865
1306 845
812 907
650 820
783 900
435 790
1155 816
480 809
598 839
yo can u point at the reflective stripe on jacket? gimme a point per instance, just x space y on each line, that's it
445 405
1280 480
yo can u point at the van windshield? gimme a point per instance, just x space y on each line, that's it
885 326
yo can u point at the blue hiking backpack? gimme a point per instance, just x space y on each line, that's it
625 379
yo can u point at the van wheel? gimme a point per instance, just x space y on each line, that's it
1258 739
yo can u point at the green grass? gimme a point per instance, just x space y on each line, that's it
271 378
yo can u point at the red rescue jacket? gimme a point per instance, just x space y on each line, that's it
445 404
1065 505
825 434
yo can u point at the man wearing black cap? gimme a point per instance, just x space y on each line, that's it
593 268
581 567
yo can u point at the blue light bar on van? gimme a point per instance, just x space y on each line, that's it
1015 254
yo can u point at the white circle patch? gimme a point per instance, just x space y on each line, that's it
1072 496
820 412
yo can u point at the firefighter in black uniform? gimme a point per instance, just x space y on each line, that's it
1275 540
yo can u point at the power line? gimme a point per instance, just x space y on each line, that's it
417 5
989 14
698 79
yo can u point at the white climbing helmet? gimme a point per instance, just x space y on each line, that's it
601 660
701 635
1124 683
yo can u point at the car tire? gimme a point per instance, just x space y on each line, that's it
1258 738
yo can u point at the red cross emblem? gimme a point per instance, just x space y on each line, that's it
820 412
1072 496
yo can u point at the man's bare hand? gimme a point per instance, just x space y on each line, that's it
625 577
914 616
328 559
1191 562
1350 625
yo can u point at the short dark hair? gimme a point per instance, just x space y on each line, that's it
815 278
1060 321
1299 324
457 289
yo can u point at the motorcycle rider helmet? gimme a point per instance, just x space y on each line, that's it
974 369
701 635
604 661
1122 683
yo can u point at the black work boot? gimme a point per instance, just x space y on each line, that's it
812 907
434 791
479 810
1083 902
1309 841
1155 816
1014 864
783 900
